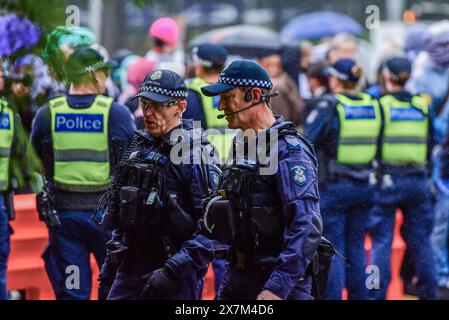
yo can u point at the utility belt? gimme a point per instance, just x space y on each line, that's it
404 170
357 173
76 201
244 261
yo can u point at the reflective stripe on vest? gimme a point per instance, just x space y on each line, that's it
80 145
406 130
6 140
360 123
222 141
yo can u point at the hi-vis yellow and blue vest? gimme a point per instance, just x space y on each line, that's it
6 140
80 145
360 124
222 141
406 130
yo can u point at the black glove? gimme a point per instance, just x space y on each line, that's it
104 287
182 221
161 284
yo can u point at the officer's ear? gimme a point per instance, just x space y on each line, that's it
257 94
182 105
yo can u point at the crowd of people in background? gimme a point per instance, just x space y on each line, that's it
306 75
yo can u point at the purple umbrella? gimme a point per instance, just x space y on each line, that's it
17 33
320 24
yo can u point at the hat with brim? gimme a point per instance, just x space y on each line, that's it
162 86
240 73
108 65
216 89
152 96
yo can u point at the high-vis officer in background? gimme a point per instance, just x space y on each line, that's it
8 144
266 210
157 198
347 132
404 181
209 60
78 136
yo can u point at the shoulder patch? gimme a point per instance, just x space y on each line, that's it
298 173
293 143
214 177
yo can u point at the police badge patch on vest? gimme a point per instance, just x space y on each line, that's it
299 175
79 122
5 124
365 112
406 114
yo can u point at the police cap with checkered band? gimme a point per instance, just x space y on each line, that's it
240 73
162 86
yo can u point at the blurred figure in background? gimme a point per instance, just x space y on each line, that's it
288 104
306 49
430 75
318 78
209 60
404 174
135 75
29 87
345 133
342 46
165 33
415 40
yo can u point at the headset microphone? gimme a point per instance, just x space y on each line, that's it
263 98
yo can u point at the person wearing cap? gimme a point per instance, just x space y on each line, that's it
78 137
346 132
11 150
165 34
404 180
159 198
270 219
209 60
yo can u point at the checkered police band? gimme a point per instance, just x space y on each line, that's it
165 92
93 67
246 82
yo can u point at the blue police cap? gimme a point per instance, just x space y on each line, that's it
209 54
343 69
162 85
398 65
240 73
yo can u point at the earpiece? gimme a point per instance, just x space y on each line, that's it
248 96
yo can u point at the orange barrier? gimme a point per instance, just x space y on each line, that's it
26 271
209 285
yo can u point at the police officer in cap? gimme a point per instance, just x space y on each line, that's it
404 180
159 197
267 211
346 130
9 147
78 136
209 60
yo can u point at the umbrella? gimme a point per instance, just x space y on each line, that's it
320 24
243 40
17 33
